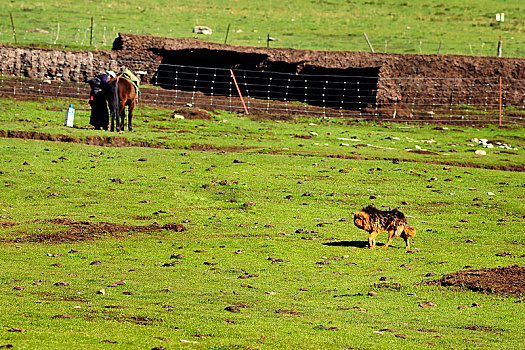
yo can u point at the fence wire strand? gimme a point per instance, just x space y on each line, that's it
403 99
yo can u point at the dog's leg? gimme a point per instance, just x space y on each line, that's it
398 231
408 232
372 239
407 240
390 238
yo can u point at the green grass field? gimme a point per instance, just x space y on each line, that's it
269 233
393 26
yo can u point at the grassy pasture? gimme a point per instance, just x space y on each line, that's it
239 213
393 26
319 137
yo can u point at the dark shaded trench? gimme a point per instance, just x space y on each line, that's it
208 71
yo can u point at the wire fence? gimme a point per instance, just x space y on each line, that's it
85 34
483 100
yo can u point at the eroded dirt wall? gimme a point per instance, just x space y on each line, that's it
37 63
399 74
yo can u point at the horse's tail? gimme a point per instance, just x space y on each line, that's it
113 98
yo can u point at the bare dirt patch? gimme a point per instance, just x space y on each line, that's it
260 115
105 141
192 113
485 329
288 312
420 151
31 135
4 224
85 231
509 280
212 148
137 319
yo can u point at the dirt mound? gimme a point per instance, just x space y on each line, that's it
509 280
261 115
85 230
192 113
7 223
212 148
13 134
105 141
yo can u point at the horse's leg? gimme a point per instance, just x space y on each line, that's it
112 97
130 114
122 115
115 117
112 127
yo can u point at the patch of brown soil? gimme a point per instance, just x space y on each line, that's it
137 319
108 141
509 280
420 151
31 135
75 299
115 141
212 148
4 224
485 329
267 116
111 316
192 113
519 167
288 312
173 227
85 230
345 156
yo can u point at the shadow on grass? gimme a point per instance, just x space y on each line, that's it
355 244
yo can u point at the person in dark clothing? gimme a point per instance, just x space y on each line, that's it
97 100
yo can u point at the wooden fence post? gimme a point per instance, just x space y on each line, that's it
13 26
58 33
91 34
369 44
227 32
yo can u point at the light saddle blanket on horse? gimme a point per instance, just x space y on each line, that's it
132 78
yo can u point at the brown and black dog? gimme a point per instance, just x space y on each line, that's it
376 221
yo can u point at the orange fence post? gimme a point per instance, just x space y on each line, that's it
239 91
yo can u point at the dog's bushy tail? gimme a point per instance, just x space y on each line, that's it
409 231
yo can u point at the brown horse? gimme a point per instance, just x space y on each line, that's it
121 93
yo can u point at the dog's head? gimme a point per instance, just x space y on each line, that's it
362 220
